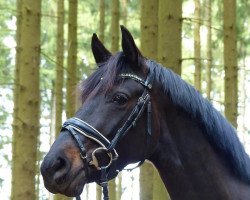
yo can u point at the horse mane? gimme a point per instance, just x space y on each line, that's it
218 130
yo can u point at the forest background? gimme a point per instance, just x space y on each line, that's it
205 41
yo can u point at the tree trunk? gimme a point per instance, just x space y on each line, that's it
115 26
72 57
149 34
197 46
146 181
119 187
160 192
112 190
169 34
102 20
59 66
26 135
230 61
149 28
124 12
209 49
98 192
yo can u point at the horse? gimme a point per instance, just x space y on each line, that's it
133 109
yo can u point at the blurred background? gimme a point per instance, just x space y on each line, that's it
45 51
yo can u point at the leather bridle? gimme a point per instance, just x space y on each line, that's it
77 126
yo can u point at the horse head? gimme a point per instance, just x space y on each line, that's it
112 128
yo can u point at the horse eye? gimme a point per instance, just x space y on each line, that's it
120 99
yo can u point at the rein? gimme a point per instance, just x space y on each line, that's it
77 126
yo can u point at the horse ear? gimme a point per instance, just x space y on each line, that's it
129 47
101 54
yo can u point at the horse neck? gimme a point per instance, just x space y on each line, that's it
189 166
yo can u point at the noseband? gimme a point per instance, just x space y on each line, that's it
77 126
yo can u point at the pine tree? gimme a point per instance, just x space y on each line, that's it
119 186
230 61
197 46
59 65
149 28
146 181
115 26
112 190
169 34
160 192
101 19
71 82
26 135
149 33
98 192
124 12
209 49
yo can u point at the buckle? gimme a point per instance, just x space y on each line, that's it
95 162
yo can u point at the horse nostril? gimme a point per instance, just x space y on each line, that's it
60 168
59 164
55 166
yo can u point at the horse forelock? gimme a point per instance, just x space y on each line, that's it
218 130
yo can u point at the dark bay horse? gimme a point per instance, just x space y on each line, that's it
134 109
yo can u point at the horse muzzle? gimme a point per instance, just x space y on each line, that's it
60 177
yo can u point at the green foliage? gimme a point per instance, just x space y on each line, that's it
7 34
7 55
243 32
88 17
48 53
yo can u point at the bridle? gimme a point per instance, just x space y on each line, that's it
77 126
